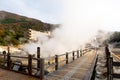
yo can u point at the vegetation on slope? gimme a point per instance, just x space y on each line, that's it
14 28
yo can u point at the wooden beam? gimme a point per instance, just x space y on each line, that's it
115 75
116 63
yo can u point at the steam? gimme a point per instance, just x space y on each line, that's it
79 25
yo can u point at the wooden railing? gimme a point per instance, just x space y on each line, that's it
110 65
42 65
58 61
8 62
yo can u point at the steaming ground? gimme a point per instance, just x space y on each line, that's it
49 46
81 19
77 28
58 42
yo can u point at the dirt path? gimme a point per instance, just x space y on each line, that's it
9 75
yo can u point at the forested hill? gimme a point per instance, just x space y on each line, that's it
14 27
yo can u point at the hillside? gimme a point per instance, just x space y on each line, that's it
14 28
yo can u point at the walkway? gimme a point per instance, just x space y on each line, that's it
80 69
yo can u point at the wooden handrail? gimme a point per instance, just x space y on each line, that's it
40 61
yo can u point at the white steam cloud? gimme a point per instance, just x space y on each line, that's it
80 23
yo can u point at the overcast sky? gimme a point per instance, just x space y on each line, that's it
45 10
104 13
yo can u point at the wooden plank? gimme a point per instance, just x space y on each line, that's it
116 75
19 57
116 63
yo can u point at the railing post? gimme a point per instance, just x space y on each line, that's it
38 57
107 51
8 61
8 49
4 53
30 64
111 68
108 68
66 58
56 62
73 55
41 69
109 64
80 52
77 53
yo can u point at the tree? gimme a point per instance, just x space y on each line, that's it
115 37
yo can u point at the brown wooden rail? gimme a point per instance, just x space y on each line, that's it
111 64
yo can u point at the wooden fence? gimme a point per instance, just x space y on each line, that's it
110 65
42 64
8 63
67 58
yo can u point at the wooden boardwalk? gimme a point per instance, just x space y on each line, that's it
80 69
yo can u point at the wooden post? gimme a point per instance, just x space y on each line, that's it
107 51
38 57
66 58
4 53
73 55
8 61
4 57
80 52
56 62
41 69
30 64
8 49
77 53
108 63
111 68
108 69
